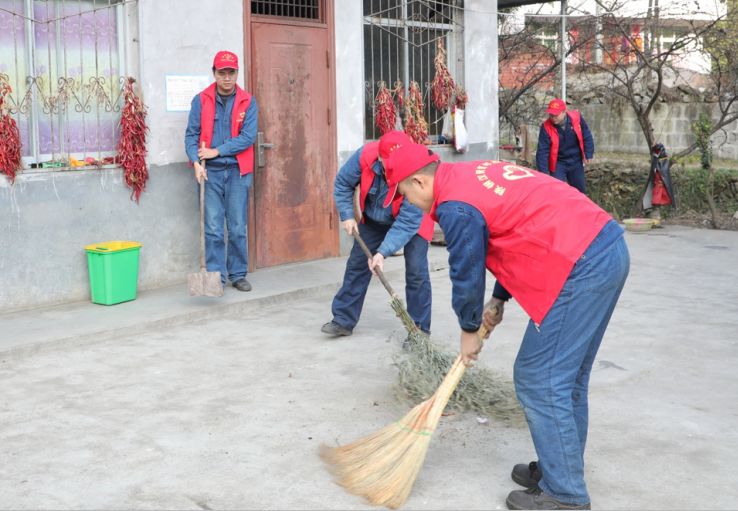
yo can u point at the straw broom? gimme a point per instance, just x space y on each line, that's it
382 467
422 368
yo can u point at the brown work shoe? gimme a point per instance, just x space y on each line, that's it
242 285
535 498
336 330
526 475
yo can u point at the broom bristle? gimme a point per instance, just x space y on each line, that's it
421 367
382 467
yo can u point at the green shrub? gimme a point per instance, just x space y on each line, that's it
691 189
618 188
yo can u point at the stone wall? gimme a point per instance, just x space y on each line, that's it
616 128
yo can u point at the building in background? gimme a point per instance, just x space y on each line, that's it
313 66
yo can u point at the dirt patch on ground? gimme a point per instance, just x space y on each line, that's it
702 220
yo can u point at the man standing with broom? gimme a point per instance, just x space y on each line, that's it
385 229
563 259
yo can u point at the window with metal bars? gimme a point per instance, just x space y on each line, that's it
65 62
400 44
299 9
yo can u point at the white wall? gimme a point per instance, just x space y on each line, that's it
349 74
480 72
181 37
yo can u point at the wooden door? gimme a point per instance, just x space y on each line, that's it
292 79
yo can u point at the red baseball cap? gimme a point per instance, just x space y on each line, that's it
556 106
403 163
225 59
392 140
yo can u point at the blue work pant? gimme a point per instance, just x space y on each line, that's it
349 300
573 174
555 359
227 203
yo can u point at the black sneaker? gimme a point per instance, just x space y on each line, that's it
336 330
242 285
526 475
535 498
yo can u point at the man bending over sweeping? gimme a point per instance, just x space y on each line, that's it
385 229
563 259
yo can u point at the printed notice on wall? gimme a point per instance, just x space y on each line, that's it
182 88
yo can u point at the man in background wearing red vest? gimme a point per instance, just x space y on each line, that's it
565 262
385 228
222 129
565 145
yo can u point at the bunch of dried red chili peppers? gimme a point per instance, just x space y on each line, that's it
415 124
10 143
443 85
132 142
386 116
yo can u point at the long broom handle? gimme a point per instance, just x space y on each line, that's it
482 332
438 401
202 217
378 271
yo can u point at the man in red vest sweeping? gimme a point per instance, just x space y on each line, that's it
385 228
565 262
222 129
565 145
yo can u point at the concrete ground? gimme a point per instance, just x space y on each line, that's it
172 402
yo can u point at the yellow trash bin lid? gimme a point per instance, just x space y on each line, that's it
107 247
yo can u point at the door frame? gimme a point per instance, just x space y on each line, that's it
328 23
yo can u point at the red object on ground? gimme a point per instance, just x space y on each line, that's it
132 143
660 196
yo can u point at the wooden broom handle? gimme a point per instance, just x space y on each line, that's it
378 271
483 332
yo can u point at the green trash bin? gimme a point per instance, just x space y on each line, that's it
113 267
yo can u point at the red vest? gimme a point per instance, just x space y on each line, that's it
538 226
369 155
550 127
207 121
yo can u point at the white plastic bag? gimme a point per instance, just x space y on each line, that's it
461 140
447 130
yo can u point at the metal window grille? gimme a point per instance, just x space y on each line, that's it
299 9
66 62
400 45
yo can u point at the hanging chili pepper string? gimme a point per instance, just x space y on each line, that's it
386 115
443 85
132 142
415 124
399 93
10 142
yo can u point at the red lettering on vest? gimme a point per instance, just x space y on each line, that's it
538 226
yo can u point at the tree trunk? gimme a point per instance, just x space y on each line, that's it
710 192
